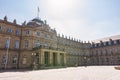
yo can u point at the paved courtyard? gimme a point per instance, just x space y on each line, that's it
73 73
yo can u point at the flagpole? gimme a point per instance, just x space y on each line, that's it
38 12
7 55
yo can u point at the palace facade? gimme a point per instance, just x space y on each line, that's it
36 45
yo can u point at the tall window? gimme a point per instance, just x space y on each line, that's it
27 32
17 32
38 33
9 30
51 37
7 43
26 43
14 59
0 28
115 42
16 46
116 50
45 35
4 59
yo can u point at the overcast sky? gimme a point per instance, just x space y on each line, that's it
80 19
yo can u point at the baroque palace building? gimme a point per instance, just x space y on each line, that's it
35 44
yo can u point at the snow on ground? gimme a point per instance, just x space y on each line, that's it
72 73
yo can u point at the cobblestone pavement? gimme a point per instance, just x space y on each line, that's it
73 73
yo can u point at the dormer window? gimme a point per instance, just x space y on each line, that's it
99 44
96 45
115 42
104 43
9 30
109 42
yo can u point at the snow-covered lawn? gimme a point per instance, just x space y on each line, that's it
72 73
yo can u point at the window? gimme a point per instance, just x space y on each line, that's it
37 44
45 44
111 51
116 50
0 28
104 43
14 59
7 43
27 32
109 42
9 30
4 59
51 37
95 45
16 46
17 32
45 35
115 42
24 60
99 44
26 43
38 33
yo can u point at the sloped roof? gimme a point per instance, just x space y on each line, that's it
116 37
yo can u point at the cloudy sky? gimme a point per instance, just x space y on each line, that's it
81 19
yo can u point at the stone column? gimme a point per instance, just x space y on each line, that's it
51 59
41 57
64 59
58 59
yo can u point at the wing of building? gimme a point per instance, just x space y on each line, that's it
106 51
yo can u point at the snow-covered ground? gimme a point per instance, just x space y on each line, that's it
73 73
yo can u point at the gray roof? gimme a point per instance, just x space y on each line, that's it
116 37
